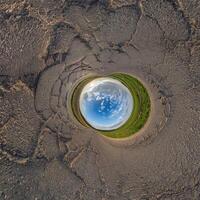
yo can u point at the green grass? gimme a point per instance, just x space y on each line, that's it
142 107
139 116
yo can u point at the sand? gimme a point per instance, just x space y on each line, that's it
46 47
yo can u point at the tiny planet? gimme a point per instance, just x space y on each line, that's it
106 103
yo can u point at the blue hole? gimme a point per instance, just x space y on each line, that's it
105 103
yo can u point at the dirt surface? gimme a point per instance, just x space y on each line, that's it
46 46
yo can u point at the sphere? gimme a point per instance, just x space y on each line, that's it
106 103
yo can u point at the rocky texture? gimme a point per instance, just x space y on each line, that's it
21 37
20 124
46 46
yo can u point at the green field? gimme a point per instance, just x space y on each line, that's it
142 106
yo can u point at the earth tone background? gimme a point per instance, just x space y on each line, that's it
46 46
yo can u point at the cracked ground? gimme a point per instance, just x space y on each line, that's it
46 46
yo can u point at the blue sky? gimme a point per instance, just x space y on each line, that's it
106 103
